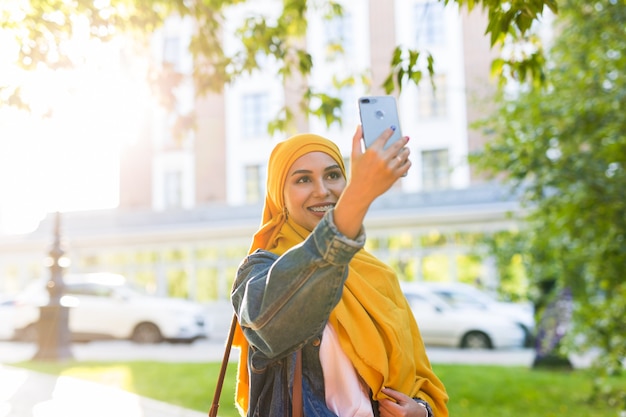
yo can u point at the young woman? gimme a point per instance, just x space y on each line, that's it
308 286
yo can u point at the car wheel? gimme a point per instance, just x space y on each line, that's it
529 339
476 340
146 333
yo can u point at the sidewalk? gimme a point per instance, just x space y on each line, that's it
30 394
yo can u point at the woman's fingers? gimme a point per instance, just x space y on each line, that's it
401 158
381 141
356 141
376 169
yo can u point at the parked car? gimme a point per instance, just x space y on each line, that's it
7 311
105 306
465 295
442 324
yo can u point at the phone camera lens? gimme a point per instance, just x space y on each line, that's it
365 100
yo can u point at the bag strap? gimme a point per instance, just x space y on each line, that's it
296 395
220 380
297 410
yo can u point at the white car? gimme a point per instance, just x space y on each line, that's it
103 306
7 312
442 324
465 295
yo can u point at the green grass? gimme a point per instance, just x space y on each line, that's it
475 390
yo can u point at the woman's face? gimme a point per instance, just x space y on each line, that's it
313 186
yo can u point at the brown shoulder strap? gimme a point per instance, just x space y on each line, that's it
297 410
296 399
220 380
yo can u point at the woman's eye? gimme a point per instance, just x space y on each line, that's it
302 180
335 175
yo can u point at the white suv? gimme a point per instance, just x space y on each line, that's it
103 306
442 324
468 296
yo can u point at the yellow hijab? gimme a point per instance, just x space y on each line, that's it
373 320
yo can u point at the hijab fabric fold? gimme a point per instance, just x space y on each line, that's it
373 320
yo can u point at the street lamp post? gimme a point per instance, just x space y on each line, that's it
53 326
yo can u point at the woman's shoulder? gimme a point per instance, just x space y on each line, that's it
261 253
258 262
259 256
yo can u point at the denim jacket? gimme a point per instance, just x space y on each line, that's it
283 304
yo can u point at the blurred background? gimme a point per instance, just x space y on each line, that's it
174 210
148 130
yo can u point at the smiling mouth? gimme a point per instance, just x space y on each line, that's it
321 209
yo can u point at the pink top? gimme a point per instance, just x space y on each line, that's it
346 394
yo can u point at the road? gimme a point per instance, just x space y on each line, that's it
213 350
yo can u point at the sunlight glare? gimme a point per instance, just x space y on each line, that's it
65 155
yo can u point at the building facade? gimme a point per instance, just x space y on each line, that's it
224 159
189 205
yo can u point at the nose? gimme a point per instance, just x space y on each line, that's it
321 189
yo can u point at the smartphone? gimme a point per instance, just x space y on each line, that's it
377 114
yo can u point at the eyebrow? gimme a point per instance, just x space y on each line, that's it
306 171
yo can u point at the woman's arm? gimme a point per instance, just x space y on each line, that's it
282 302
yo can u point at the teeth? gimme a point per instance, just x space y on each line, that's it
322 208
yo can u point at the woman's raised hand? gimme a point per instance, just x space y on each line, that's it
376 169
372 172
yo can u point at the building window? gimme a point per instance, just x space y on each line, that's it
255 115
171 51
432 101
173 189
339 36
435 169
430 26
254 184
